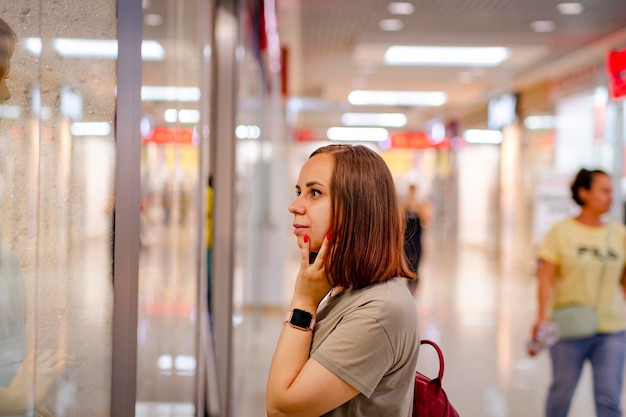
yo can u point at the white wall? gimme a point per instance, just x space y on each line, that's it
478 185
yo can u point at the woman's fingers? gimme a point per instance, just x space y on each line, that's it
321 255
43 412
52 361
304 252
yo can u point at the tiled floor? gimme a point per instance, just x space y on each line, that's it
478 308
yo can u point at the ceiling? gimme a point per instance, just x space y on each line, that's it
337 46
333 47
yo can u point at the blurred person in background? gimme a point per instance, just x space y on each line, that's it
349 343
25 378
582 263
418 215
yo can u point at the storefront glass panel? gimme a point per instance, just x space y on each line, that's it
57 165
172 215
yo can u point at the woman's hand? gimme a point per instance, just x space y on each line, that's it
312 283
45 367
43 412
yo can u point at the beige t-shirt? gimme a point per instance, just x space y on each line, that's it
583 254
369 338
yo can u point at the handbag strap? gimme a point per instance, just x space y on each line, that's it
605 258
439 353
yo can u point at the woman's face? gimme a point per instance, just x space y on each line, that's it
599 197
311 209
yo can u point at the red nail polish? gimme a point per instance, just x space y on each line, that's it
306 238
328 236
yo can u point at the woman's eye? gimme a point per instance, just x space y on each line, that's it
315 192
298 193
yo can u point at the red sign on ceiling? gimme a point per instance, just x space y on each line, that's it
616 67
416 140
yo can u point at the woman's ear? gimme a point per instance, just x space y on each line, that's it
583 195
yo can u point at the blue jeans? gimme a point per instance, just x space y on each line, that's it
607 353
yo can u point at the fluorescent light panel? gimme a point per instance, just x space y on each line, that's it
90 129
401 8
542 26
374 119
397 98
570 8
482 136
391 25
488 56
93 48
357 134
170 93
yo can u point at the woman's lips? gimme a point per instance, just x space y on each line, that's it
298 229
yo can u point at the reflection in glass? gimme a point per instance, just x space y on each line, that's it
55 212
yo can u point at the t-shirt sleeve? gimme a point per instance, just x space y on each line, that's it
549 249
358 351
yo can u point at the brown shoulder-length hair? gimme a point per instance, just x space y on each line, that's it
367 223
8 39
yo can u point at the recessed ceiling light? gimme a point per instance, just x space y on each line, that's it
542 26
391 25
397 98
401 8
248 132
446 55
570 8
182 115
374 119
357 134
153 19
171 115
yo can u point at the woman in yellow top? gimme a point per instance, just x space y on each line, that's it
582 262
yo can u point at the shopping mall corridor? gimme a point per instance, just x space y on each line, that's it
479 310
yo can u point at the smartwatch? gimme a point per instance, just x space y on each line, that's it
300 319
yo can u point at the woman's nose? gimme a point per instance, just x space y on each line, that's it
295 207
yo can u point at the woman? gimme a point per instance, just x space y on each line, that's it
350 341
582 262
417 218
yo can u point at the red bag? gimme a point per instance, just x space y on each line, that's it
430 400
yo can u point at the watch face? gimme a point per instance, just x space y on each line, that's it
301 318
